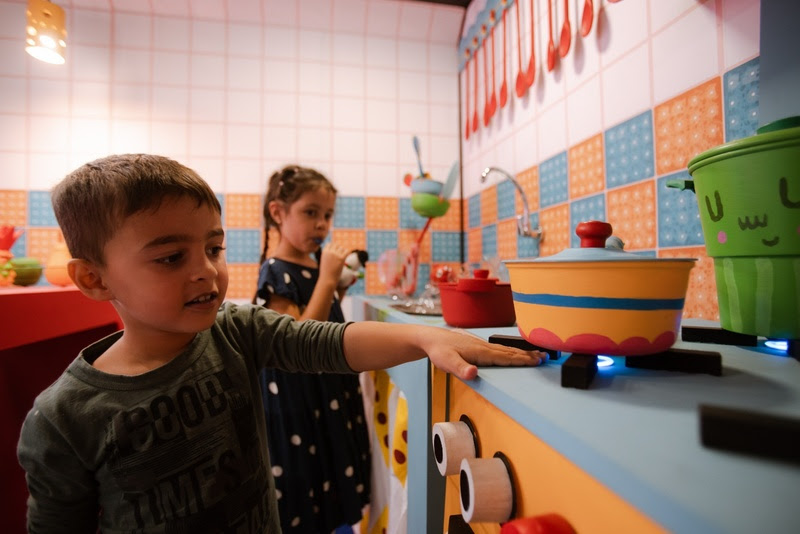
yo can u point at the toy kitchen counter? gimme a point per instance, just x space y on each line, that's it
624 454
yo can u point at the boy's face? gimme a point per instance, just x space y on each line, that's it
166 269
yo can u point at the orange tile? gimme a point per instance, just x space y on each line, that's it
406 238
451 220
352 239
489 205
529 182
242 280
586 168
555 230
372 281
701 296
383 213
632 214
13 207
687 125
243 211
474 245
40 242
507 239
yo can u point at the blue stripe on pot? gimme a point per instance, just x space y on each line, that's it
599 303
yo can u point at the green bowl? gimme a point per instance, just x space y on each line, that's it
429 205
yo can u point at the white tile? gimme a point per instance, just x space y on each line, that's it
212 170
381 52
131 65
132 30
381 115
244 141
245 40
46 170
208 9
445 24
350 16
582 62
91 100
93 4
207 105
551 134
348 145
349 178
382 148
680 63
349 49
280 109
206 140
134 6
415 20
314 45
627 87
12 16
349 113
382 180
91 63
244 73
548 87
130 101
382 17
412 86
170 138
243 176
621 27
15 173
412 55
171 68
208 36
381 83
584 112
526 148
244 107
130 137
173 8
14 59
280 75
249 11
663 14
280 11
170 103
506 152
48 97
444 119
89 27
90 136
207 70
314 111
13 132
443 59
313 144
348 81
280 42
443 150
443 88
280 143
40 69
15 94
315 77
171 33
412 117
314 14
741 31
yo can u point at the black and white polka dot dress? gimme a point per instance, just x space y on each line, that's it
318 441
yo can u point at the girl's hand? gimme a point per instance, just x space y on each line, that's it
331 262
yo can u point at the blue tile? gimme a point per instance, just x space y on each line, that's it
474 208
221 199
678 214
19 248
505 200
40 210
410 219
553 181
586 209
528 247
740 88
489 241
446 246
358 288
243 246
629 151
379 241
423 277
350 212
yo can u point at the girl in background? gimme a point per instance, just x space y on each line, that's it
318 441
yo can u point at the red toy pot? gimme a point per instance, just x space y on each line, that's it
479 302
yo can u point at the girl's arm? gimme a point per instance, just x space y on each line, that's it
376 345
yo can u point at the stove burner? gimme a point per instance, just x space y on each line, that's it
719 336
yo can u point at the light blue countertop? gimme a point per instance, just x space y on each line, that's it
638 431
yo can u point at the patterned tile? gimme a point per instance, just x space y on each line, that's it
350 212
687 125
446 246
555 230
407 238
40 210
506 205
474 250
741 100
359 288
379 241
701 296
553 180
221 199
632 214
244 211
528 247
242 280
372 281
423 278
409 218
489 241
507 239
474 211
383 213
529 182
352 239
450 220
13 207
586 171
629 151
243 246
489 205
40 242
678 214
585 209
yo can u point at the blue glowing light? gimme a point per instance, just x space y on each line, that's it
777 344
604 361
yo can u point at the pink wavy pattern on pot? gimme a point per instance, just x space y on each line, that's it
600 344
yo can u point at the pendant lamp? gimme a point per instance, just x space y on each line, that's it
46 32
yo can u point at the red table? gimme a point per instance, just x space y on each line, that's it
42 329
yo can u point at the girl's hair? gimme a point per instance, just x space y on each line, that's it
288 185
93 201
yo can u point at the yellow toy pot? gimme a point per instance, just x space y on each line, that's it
598 300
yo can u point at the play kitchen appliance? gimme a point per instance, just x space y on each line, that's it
477 302
748 193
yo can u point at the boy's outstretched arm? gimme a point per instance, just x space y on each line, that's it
376 345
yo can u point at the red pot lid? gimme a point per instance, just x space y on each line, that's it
480 282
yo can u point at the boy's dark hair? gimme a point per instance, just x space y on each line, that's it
92 201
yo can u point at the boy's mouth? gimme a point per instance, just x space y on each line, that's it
202 299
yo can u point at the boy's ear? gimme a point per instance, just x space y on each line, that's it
88 279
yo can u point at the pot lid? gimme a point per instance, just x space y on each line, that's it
782 132
479 282
597 244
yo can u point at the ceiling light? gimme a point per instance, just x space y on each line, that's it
46 33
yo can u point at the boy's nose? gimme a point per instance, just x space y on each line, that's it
205 269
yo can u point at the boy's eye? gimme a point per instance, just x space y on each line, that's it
171 259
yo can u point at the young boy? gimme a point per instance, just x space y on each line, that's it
159 427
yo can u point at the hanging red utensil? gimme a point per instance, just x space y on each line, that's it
466 100
504 85
530 74
551 45
475 119
492 107
520 86
587 18
486 95
566 32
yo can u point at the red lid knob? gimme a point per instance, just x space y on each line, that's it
593 233
481 273
540 524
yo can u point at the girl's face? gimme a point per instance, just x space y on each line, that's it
305 223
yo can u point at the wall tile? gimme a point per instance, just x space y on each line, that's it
740 86
585 164
169 33
629 151
741 21
383 213
678 214
243 246
350 212
489 241
13 207
40 210
701 295
489 205
586 209
555 230
406 239
507 239
632 214
241 280
474 212
445 246
528 247
621 97
553 180
351 239
379 241
474 244
244 211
